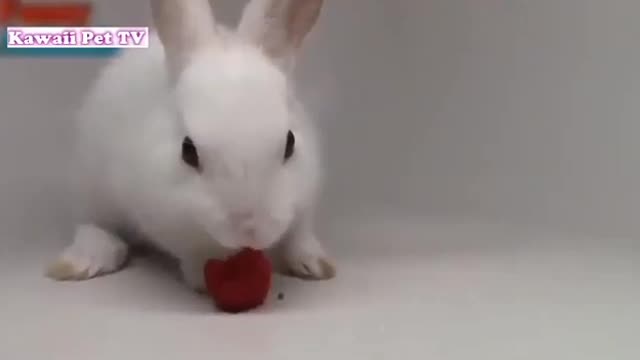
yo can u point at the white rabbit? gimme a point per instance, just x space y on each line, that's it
199 145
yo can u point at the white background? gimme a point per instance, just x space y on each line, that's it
521 112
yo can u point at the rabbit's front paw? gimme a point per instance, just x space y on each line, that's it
193 262
93 252
193 274
306 259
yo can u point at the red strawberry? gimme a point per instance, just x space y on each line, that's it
239 283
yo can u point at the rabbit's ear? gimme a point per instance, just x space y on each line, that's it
279 27
183 27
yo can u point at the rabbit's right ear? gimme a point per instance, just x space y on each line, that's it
183 27
279 27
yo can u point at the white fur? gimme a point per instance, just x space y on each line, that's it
237 105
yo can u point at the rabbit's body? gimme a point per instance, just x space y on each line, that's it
125 134
130 178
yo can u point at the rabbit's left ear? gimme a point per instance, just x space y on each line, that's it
279 27
183 26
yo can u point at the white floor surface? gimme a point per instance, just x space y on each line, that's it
436 290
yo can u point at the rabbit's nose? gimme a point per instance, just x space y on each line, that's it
242 219
243 222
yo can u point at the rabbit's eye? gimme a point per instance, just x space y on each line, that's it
190 153
291 142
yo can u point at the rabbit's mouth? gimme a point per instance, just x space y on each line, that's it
251 238
247 238
234 239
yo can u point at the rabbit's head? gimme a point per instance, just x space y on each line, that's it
240 144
